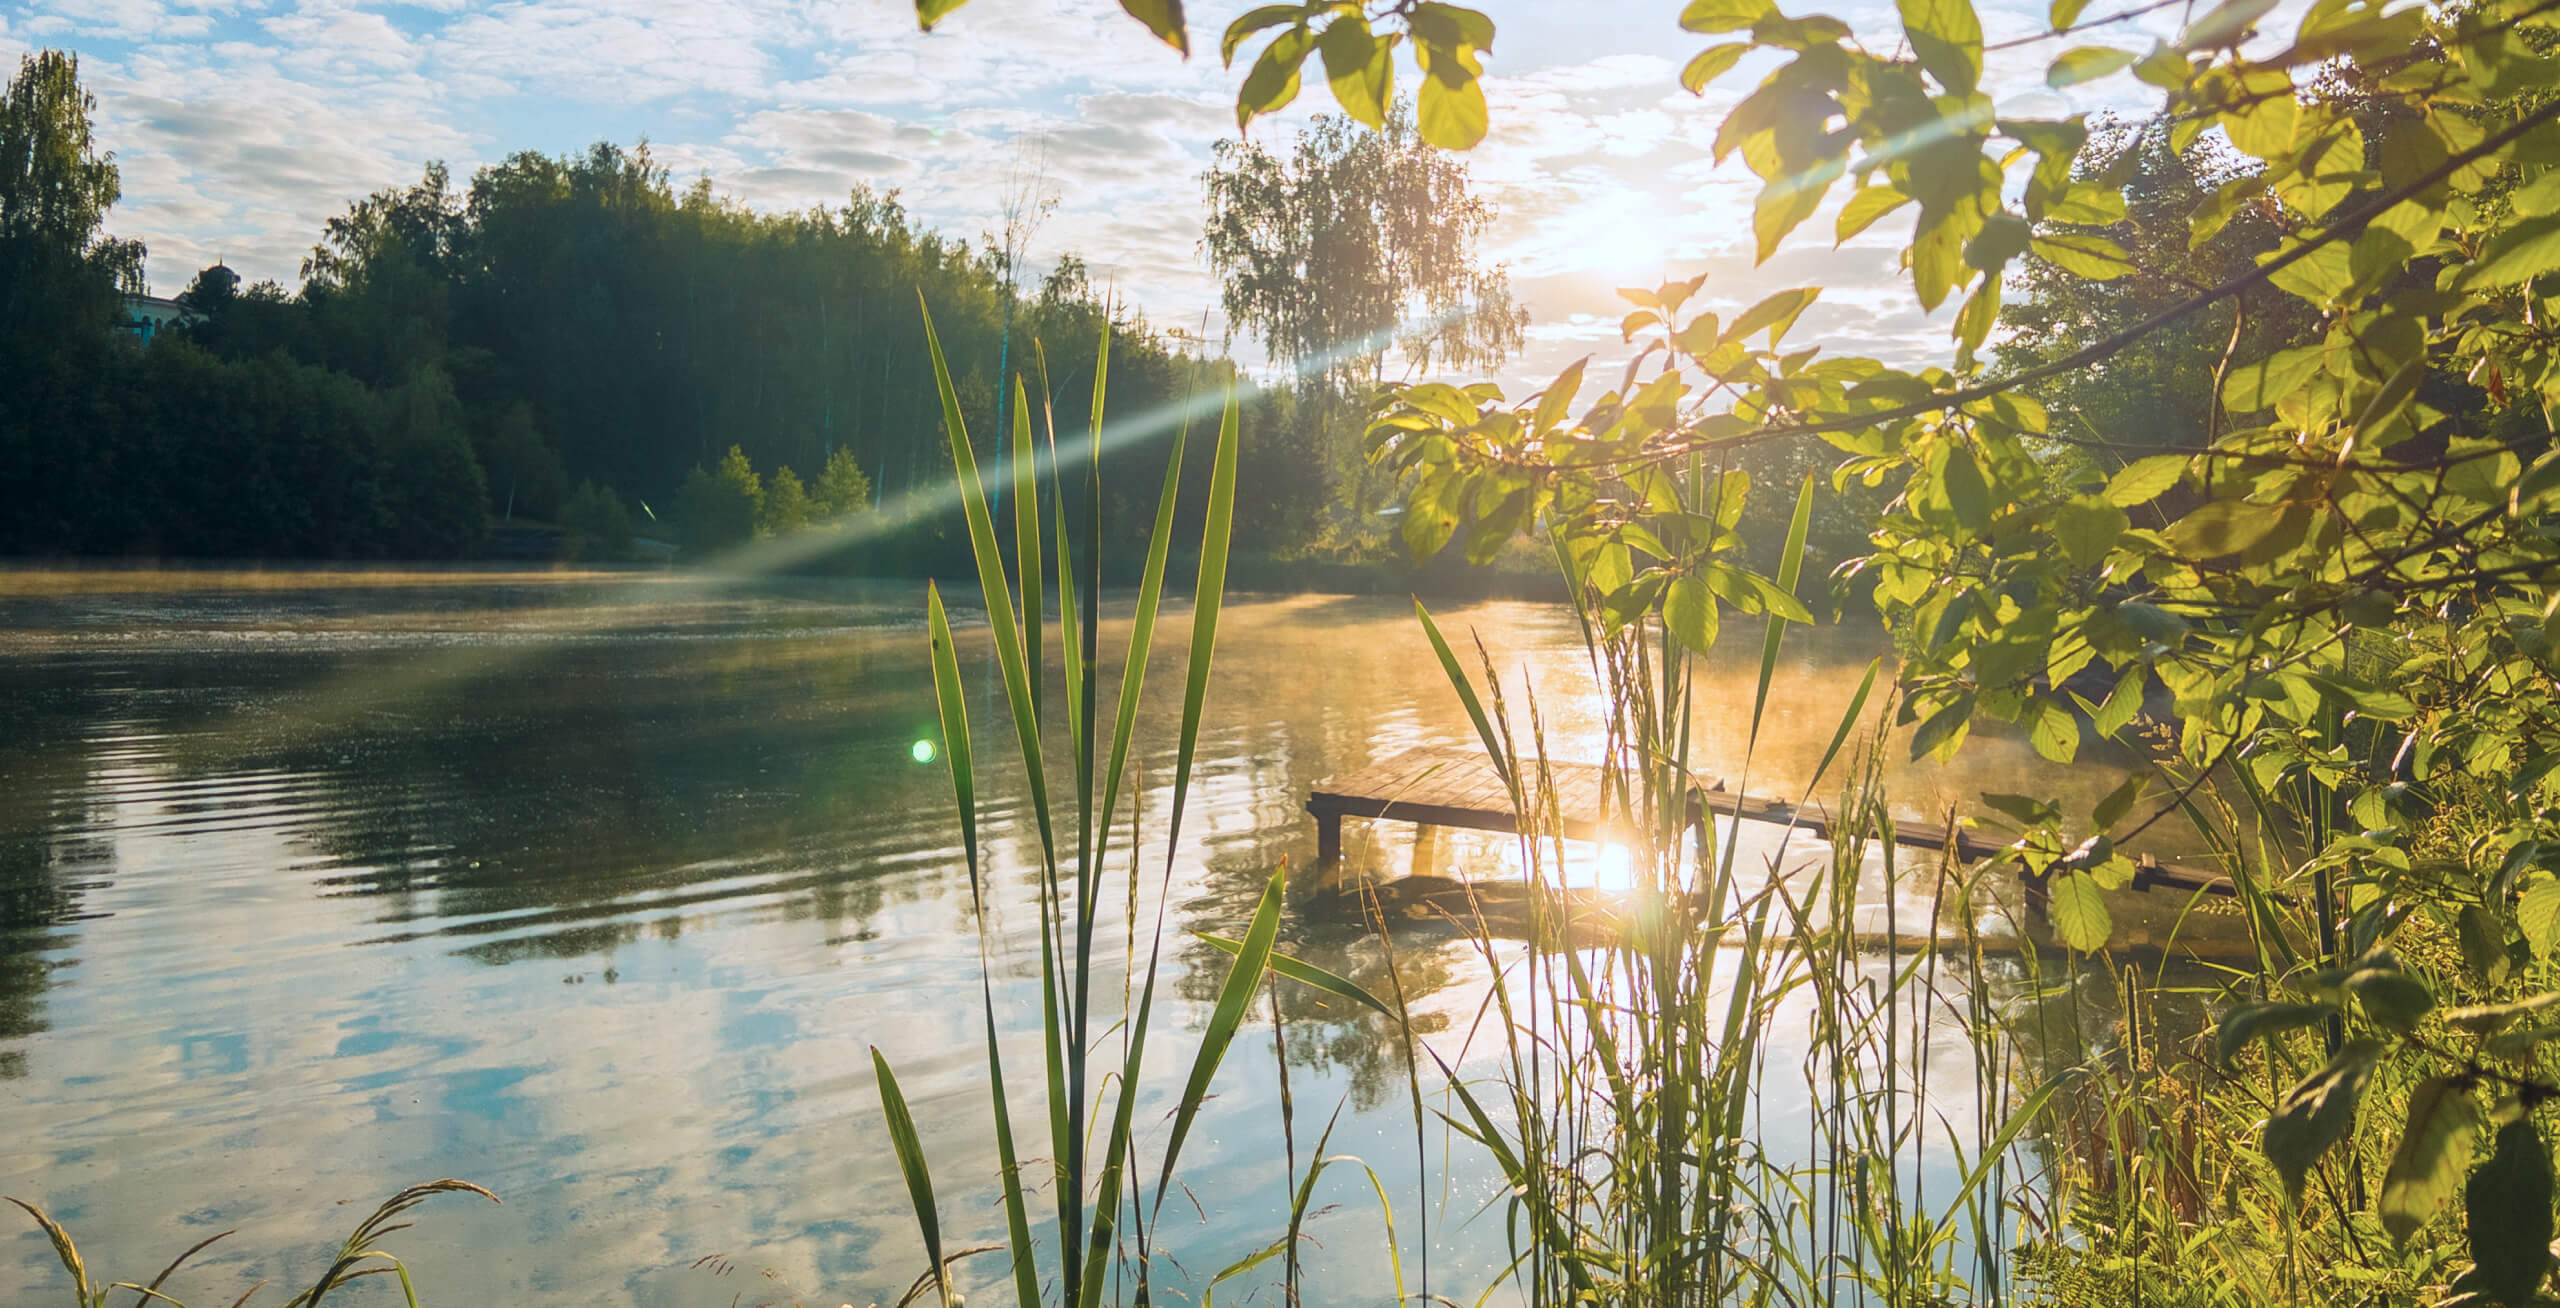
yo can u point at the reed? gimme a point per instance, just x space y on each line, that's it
1659 1142
1105 1210
358 1256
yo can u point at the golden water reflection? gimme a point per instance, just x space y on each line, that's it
599 895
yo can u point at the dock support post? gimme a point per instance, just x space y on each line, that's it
1328 837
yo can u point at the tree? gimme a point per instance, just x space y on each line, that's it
59 271
2170 376
842 490
785 507
597 515
719 509
1357 244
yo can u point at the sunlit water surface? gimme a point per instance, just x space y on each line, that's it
598 891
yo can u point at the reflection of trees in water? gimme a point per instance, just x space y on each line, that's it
628 778
46 854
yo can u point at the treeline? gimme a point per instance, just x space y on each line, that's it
562 339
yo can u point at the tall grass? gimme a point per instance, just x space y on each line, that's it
1105 1200
1727 1096
359 1256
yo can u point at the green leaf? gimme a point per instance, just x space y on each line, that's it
1724 15
1937 258
1252 21
2079 912
1944 730
2484 1018
1946 38
910 1151
1788 200
2538 197
2538 912
2055 733
2507 1207
2434 1152
2396 392
1452 112
1557 400
2259 384
1308 974
1777 313
1981 312
1711 63
2225 23
2064 14
1467 698
2484 943
1966 491
1164 18
2083 254
2250 1021
2390 996
2087 526
2025 810
2265 128
2325 274
1225 1017
2223 527
2145 480
1360 68
2317 1111
2518 254
2119 802
2087 64
1273 83
1689 613
1864 207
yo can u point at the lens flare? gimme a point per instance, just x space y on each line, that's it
922 751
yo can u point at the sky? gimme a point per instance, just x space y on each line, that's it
241 126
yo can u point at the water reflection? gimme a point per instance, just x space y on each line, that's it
598 892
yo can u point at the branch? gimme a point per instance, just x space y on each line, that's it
2109 346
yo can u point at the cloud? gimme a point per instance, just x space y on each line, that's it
243 125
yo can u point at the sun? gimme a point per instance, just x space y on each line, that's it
1631 244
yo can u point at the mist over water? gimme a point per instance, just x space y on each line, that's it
598 890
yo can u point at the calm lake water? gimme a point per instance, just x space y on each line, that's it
599 890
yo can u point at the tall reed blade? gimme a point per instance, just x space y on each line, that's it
1229 1014
955 748
995 590
1065 1100
902 1138
1206 599
1493 751
1142 628
1026 542
1212 585
65 1252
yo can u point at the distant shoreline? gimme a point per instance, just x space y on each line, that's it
30 577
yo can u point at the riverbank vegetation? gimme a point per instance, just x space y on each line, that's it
584 341
2260 485
2310 579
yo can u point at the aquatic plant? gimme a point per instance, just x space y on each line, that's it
360 1255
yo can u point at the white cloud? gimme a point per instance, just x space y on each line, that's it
243 126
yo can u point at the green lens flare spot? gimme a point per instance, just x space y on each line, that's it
923 751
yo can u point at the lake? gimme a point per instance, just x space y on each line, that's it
598 889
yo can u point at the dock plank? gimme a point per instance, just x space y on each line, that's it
1455 786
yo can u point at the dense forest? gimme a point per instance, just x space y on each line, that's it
560 340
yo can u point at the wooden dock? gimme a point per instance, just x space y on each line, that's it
1454 786
1450 786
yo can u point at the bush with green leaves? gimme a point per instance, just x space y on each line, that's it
2388 469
